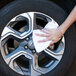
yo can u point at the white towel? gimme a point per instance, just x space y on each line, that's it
42 46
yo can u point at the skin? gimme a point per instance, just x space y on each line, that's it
56 34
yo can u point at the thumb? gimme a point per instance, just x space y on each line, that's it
52 42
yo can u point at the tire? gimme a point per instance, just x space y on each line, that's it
51 9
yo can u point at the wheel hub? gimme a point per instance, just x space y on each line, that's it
31 45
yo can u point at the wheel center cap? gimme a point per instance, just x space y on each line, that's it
31 45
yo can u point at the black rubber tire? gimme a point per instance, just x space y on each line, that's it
46 7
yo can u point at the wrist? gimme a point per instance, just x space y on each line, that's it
61 31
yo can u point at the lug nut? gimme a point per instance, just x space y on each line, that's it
25 47
33 51
27 38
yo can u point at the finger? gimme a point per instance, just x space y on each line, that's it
45 40
44 31
41 35
52 42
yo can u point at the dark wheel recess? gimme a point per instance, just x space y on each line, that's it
18 56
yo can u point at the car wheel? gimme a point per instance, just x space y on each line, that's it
18 56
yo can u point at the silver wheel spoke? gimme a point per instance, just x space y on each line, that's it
18 52
52 54
34 72
34 66
36 60
32 23
58 54
7 33
10 59
15 54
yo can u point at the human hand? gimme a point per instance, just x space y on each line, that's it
53 35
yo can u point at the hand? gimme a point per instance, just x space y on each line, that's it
51 34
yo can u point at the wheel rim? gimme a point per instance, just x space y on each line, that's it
18 50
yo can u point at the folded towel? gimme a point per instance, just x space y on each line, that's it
42 46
